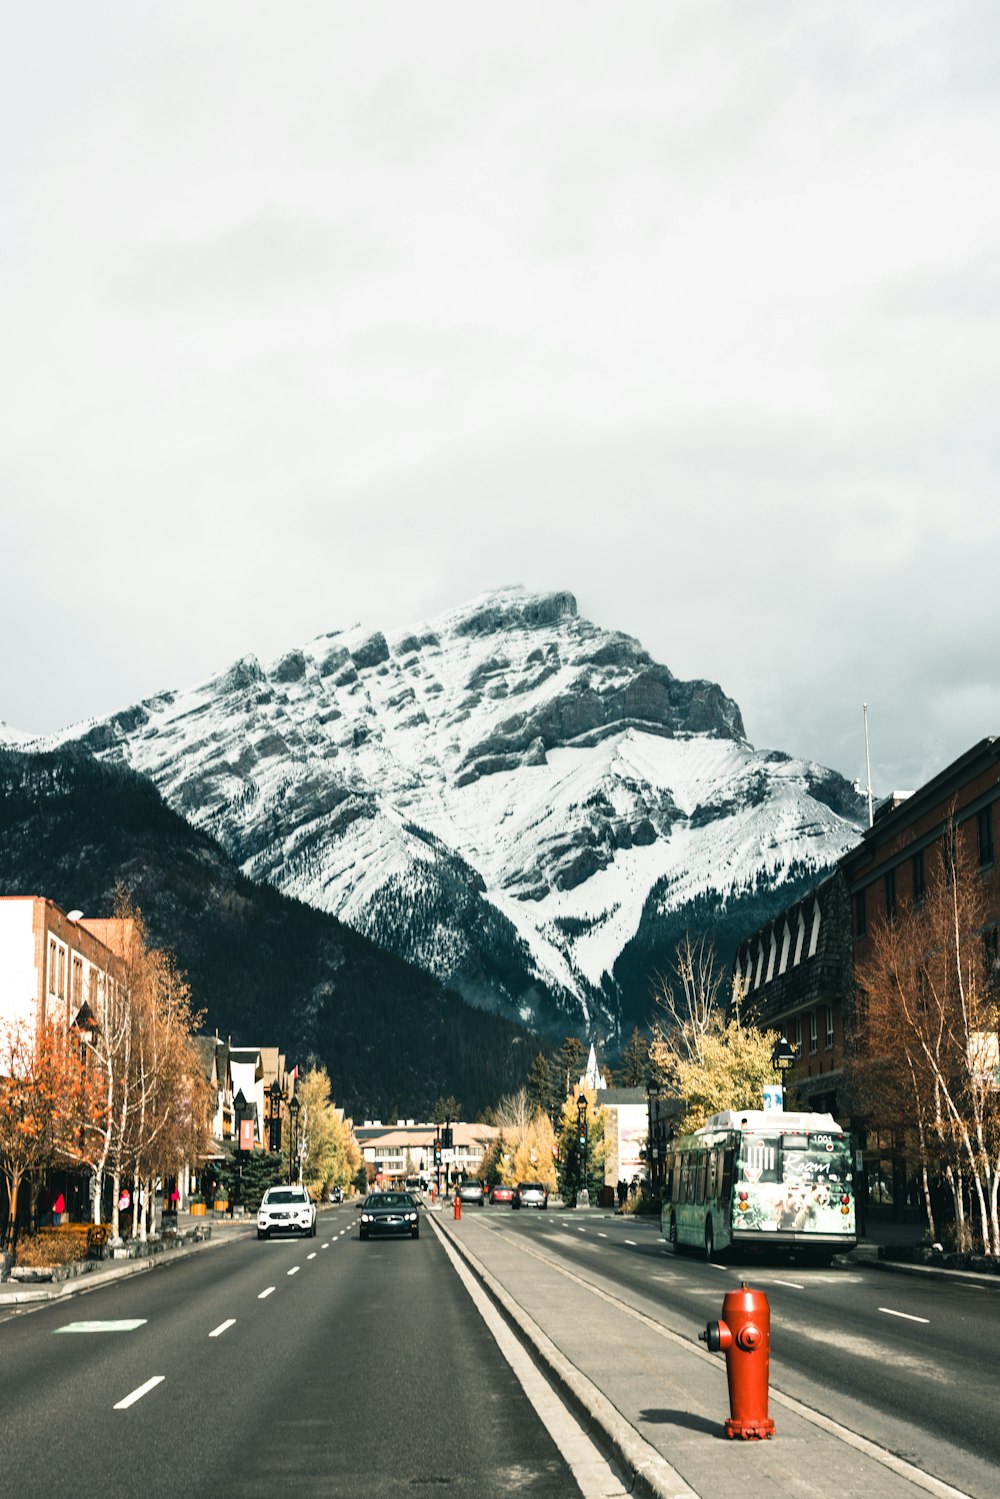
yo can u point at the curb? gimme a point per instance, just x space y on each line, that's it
648 1471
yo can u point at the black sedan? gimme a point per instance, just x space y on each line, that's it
390 1213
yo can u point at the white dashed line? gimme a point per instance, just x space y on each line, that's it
143 1389
311 1256
601 1235
723 1268
295 1270
324 1246
265 1293
632 1242
218 1331
792 1284
890 1313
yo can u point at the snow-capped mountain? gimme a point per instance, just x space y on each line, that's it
509 794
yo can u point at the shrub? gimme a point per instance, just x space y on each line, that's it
53 1246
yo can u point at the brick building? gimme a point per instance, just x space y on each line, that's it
51 963
797 978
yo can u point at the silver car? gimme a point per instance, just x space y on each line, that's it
286 1210
530 1195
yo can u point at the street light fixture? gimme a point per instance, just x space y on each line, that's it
293 1136
783 1056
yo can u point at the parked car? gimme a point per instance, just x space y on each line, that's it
501 1194
286 1210
336 1194
530 1195
390 1213
471 1192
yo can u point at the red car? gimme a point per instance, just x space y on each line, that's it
501 1194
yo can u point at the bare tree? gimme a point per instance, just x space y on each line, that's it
927 1042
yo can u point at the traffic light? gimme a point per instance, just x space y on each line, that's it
447 1138
437 1152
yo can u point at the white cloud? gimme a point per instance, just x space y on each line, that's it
329 313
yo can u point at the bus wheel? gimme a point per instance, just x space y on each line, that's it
709 1239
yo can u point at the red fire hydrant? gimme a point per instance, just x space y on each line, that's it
744 1335
458 1206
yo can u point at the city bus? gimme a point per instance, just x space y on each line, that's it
761 1178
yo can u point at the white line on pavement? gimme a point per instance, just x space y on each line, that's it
890 1313
632 1242
218 1331
311 1256
600 1235
265 1293
295 1270
324 1246
143 1389
793 1284
593 1474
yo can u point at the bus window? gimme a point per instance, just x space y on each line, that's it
758 1159
669 1182
725 1191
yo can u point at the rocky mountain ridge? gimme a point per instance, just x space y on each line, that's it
507 794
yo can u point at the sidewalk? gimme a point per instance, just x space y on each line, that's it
210 1232
658 1399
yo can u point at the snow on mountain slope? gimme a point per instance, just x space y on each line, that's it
494 793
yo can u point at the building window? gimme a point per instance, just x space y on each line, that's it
813 1036
800 937
991 957
760 964
890 895
772 953
814 934
786 942
77 991
62 973
52 967
797 1033
829 1027
860 915
919 880
984 827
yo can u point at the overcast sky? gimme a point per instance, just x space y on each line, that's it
321 313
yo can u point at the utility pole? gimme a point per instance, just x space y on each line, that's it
868 767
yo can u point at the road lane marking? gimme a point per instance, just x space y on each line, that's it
143 1389
793 1284
128 1325
581 1230
593 1474
324 1246
713 1266
632 1242
294 1270
311 1256
907 1315
265 1293
218 1331
601 1235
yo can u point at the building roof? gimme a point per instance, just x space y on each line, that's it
616 1098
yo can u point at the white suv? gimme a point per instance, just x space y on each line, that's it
286 1210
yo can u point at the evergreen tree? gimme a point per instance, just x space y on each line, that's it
540 1084
571 1059
634 1069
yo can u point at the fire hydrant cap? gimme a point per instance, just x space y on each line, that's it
749 1336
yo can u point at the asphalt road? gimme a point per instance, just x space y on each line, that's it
912 1364
305 1367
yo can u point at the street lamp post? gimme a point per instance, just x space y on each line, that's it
582 1194
293 1137
239 1114
274 1093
